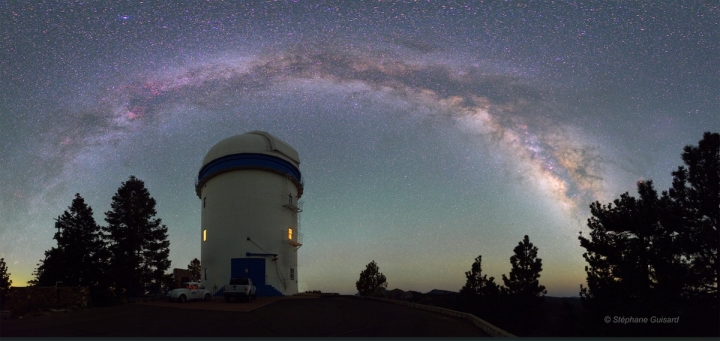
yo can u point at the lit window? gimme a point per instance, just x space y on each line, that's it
290 234
204 235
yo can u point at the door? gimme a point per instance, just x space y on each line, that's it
253 268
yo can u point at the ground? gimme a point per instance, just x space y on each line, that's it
264 317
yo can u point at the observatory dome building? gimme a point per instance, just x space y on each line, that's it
249 186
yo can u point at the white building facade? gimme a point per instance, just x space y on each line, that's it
249 186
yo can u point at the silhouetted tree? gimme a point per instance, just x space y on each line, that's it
692 207
194 268
168 282
80 256
524 278
138 240
5 282
522 293
82 243
371 280
692 211
651 256
479 295
624 254
50 269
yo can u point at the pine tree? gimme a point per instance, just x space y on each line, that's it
625 244
476 283
195 269
80 256
693 211
82 243
139 244
651 256
50 269
5 282
522 294
371 280
523 282
479 295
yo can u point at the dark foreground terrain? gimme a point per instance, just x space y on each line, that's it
279 318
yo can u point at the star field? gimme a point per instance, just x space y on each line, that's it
429 133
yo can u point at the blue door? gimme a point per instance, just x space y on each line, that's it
253 268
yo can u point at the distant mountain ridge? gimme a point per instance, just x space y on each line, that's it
441 292
401 293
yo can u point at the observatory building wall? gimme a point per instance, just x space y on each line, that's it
249 210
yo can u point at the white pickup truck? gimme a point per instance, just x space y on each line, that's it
239 287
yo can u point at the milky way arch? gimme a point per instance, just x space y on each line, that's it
510 112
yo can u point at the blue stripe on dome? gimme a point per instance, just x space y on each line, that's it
248 160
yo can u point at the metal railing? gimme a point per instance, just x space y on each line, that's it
292 203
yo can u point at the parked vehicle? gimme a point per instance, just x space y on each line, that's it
239 287
152 295
189 291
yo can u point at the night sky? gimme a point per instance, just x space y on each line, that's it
429 133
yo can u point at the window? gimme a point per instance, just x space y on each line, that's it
204 235
204 201
292 274
290 234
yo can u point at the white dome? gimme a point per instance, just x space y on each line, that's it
258 142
